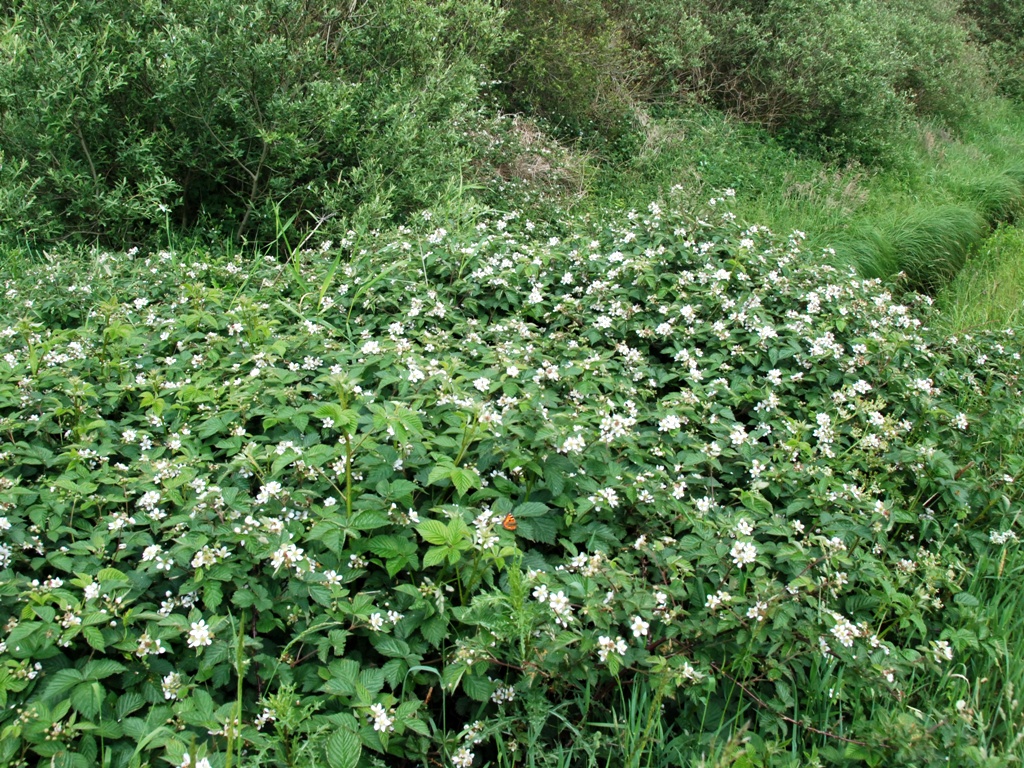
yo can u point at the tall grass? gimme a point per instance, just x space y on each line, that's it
922 215
927 245
988 693
989 293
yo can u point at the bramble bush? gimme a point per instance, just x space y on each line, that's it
453 496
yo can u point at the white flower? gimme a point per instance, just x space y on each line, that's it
757 611
561 607
463 758
200 634
574 444
639 627
743 553
669 424
288 555
941 651
844 631
482 384
171 684
381 721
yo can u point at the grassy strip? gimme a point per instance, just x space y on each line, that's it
924 215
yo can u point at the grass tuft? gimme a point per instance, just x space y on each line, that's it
990 292
928 245
999 197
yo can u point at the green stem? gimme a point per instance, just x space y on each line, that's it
348 475
467 439
236 712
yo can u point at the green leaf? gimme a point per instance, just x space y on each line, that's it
62 681
967 599
464 479
343 749
101 668
391 547
391 646
544 529
434 630
477 687
127 703
213 595
87 698
433 531
530 509
434 556
439 473
755 502
94 638
368 519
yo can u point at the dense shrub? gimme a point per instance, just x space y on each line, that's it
843 76
1000 25
836 77
436 495
568 64
113 114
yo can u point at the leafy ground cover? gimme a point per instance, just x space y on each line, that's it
664 490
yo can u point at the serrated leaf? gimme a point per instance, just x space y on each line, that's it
368 519
101 668
452 675
463 479
391 646
409 419
434 556
433 531
343 749
331 411
755 502
127 703
434 629
391 546
372 679
107 575
543 529
62 681
530 509
94 638
439 473
416 725
967 599
87 698
477 687
213 595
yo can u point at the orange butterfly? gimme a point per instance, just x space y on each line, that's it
509 523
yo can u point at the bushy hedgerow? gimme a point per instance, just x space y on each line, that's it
118 116
439 496
1000 27
843 77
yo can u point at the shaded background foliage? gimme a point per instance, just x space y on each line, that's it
118 119
115 110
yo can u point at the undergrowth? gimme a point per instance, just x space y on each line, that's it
663 490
